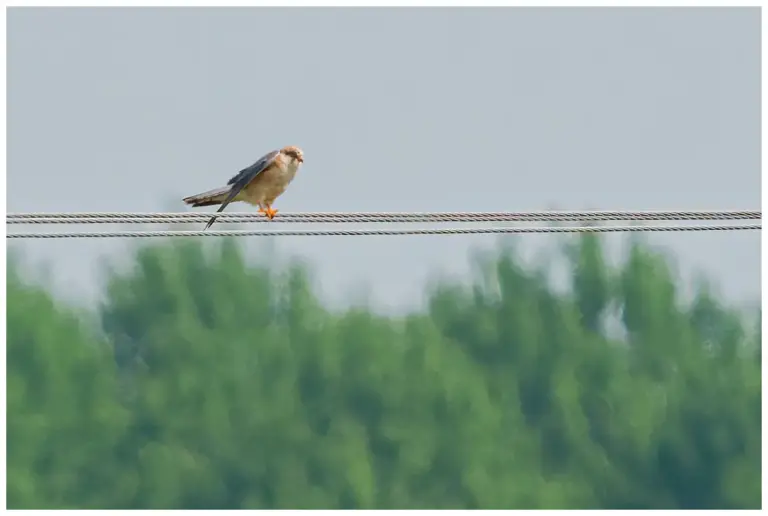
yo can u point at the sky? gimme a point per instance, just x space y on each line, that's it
411 109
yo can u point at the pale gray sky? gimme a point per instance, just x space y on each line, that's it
396 110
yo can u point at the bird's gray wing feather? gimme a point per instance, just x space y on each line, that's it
243 178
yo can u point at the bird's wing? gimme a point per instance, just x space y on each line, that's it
243 178
247 175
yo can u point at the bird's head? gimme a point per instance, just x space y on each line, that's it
294 153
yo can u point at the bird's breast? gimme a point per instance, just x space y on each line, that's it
282 175
272 182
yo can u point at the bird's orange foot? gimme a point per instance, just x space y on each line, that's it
269 212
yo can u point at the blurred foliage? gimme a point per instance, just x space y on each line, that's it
214 383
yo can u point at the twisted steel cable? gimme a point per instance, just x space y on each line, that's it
383 232
381 217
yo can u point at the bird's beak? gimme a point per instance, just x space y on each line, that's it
301 160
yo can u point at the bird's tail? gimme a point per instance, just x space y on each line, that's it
209 198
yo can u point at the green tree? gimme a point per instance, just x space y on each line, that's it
218 383
64 418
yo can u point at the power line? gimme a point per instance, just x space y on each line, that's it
381 217
383 232
378 217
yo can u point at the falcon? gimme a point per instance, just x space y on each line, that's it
258 185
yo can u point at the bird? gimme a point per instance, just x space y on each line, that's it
259 184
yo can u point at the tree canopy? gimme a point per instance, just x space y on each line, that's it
212 382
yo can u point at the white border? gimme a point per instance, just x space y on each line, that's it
375 3
390 3
762 256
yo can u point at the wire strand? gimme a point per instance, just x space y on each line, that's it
374 217
382 232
